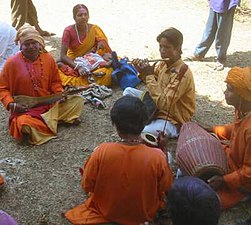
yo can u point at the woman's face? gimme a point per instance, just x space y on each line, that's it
31 49
82 16
167 50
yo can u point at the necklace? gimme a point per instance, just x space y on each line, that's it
86 32
130 140
32 73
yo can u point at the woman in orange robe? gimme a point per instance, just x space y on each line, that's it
126 180
33 72
79 39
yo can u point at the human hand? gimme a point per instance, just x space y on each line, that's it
100 45
216 182
143 66
162 141
16 107
81 71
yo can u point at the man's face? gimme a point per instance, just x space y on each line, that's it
231 97
167 50
31 49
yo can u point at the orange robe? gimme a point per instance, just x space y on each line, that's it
94 35
238 155
126 185
1 180
19 77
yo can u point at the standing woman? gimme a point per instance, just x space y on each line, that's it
79 39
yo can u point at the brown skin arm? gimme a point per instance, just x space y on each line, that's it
216 182
162 142
68 61
16 107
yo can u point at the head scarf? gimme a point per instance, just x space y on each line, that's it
27 32
240 79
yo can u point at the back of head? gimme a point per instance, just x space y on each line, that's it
174 36
191 201
240 79
129 115
77 7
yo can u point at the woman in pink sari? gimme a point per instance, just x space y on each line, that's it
78 40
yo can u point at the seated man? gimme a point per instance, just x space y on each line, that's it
174 98
192 201
236 185
126 180
33 72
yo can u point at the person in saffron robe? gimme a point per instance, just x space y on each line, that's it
236 185
171 96
33 72
192 201
78 40
126 180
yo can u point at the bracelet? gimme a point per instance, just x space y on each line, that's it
77 64
14 107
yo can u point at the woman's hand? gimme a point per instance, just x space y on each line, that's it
16 107
82 71
143 66
216 182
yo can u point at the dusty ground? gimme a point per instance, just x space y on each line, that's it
42 182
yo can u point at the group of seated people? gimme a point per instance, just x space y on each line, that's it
128 182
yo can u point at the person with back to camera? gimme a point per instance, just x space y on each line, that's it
172 97
192 202
126 180
80 40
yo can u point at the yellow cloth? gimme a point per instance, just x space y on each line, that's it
162 86
94 35
27 32
240 79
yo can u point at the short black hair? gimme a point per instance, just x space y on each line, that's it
192 201
76 8
174 36
129 115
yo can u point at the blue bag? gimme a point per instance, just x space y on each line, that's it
124 74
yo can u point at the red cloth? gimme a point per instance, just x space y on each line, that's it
127 185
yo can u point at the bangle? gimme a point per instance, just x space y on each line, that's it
76 66
14 107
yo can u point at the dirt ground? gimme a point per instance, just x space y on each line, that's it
44 181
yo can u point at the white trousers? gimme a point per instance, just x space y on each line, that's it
156 125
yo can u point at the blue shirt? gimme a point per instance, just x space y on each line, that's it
222 6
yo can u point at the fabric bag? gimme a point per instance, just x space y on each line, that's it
124 74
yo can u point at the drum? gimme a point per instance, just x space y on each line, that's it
199 153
